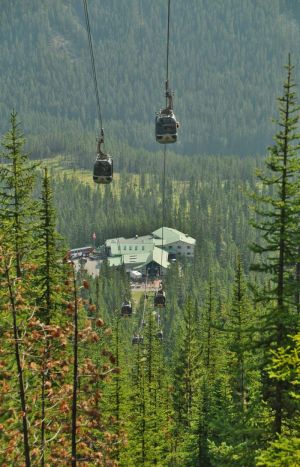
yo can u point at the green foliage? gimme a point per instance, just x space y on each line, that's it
148 425
48 253
285 450
227 455
17 207
37 355
282 452
278 215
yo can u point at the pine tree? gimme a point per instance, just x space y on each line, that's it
209 374
16 208
155 389
49 276
278 211
15 305
186 385
147 419
17 177
114 390
285 450
136 420
238 325
234 424
48 254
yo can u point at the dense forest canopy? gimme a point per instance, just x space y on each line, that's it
225 69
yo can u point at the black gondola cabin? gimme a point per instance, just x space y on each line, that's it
136 339
160 335
103 170
126 309
166 127
160 299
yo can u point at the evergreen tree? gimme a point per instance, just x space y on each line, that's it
15 304
278 220
17 176
242 405
136 424
209 374
147 418
16 208
48 254
186 383
49 277
238 325
285 450
155 373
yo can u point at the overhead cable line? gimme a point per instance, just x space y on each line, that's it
94 75
163 201
103 166
165 146
168 46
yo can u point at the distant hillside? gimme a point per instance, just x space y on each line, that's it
226 66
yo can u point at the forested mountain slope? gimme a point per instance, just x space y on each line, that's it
225 67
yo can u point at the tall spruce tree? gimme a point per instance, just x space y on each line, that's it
17 177
48 290
285 450
186 392
238 324
242 404
185 370
278 215
136 423
48 254
11 292
16 212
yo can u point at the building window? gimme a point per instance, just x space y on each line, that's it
124 248
130 248
179 247
143 247
188 253
119 248
170 247
188 247
135 247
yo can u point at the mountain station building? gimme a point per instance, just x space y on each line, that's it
150 254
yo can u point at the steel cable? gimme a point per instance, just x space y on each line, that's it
94 75
165 147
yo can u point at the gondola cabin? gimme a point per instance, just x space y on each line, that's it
103 170
160 335
136 339
166 128
160 299
126 309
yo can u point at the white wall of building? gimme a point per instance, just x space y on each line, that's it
181 248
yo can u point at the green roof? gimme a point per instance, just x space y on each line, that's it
141 250
139 260
160 257
133 245
171 236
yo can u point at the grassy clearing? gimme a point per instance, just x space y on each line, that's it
60 169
